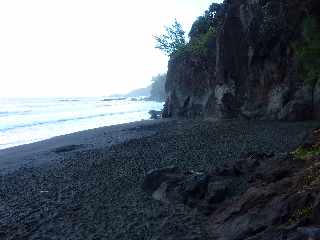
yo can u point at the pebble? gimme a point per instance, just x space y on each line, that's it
96 193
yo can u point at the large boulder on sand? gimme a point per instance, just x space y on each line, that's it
173 185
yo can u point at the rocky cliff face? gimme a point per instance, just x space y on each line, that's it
250 68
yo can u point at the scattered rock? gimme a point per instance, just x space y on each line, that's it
67 148
173 185
156 177
193 188
155 114
218 195
113 99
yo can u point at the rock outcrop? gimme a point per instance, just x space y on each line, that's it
261 196
250 68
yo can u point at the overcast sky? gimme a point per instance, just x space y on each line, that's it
54 48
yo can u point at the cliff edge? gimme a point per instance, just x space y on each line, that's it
243 60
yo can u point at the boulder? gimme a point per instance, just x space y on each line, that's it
154 178
155 114
172 185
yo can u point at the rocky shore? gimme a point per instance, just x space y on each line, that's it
89 185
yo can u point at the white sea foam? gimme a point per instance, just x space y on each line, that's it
25 121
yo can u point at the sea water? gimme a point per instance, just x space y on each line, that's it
25 121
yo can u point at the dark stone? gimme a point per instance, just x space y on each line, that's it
155 114
113 99
280 174
67 148
195 187
296 111
176 186
218 195
257 155
156 177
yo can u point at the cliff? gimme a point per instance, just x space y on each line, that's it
245 63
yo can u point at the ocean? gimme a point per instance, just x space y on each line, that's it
25 121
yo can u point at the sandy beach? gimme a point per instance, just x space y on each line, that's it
87 185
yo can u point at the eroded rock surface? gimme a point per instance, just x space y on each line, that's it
260 196
250 68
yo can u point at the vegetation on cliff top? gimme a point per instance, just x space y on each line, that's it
207 22
172 40
202 33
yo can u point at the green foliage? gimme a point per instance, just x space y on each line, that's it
311 178
203 23
199 46
199 27
203 33
300 214
307 153
172 40
308 52
158 92
214 10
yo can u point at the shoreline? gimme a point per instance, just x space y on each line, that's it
15 157
88 185
36 120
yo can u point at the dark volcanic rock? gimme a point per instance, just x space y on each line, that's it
155 178
173 185
218 195
281 200
250 68
155 114
262 196
68 148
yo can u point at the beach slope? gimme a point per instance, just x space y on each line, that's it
87 185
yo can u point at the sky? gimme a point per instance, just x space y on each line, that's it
82 48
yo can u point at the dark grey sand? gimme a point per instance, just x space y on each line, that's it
87 185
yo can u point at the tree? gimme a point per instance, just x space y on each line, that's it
214 10
199 27
172 40
206 22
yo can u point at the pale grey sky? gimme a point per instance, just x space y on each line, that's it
53 48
